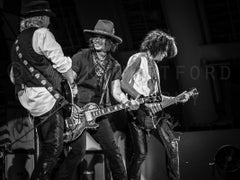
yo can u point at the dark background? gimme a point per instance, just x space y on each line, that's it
207 33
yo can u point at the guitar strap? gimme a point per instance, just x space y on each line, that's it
37 75
158 79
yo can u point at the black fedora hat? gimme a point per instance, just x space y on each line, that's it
36 8
106 28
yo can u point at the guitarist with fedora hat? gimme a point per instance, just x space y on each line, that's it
97 75
36 46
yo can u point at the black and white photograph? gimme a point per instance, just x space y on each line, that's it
120 89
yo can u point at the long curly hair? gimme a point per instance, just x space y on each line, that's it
158 41
36 21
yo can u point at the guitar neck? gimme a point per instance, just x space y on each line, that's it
108 110
165 104
168 102
176 99
104 111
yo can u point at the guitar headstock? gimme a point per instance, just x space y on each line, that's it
193 92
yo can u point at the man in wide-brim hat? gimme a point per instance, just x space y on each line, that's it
37 45
104 28
97 75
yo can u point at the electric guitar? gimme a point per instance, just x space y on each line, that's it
154 108
84 117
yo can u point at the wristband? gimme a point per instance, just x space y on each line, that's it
123 98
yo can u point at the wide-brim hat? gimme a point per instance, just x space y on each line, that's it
36 8
105 28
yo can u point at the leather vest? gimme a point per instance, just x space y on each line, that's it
22 76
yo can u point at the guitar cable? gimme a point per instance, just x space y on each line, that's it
8 146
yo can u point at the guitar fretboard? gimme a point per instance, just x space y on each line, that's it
176 99
115 108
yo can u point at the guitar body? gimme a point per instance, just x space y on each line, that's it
79 120
75 120
144 118
84 118
152 118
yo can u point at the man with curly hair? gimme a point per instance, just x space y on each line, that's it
141 78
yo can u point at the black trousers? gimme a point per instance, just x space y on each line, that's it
105 137
50 135
67 167
139 149
139 138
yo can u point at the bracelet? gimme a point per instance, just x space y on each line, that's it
123 98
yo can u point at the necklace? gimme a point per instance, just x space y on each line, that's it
101 55
101 67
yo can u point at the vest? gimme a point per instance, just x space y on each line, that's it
22 76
